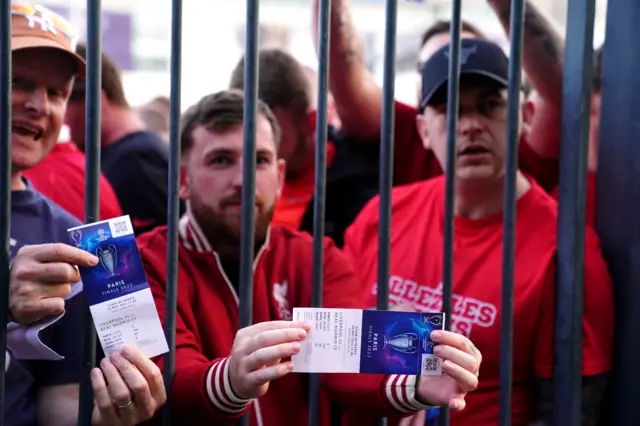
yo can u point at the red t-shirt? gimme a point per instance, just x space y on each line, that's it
416 280
296 196
60 177
591 198
414 163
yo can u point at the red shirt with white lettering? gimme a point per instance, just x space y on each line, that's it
416 280
413 163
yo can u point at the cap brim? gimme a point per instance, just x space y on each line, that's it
20 43
491 76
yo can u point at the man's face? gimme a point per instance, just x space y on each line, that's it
75 117
212 182
41 84
482 124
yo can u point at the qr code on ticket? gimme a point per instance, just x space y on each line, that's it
431 365
120 226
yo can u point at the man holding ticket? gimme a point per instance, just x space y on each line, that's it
222 373
417 258
46 317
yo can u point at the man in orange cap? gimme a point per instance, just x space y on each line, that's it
42 378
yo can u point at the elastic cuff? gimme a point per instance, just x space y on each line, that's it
219 389
400 391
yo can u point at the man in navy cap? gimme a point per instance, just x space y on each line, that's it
417 256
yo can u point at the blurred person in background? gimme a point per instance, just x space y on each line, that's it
155 116
290 90
61 177
134 160
358 97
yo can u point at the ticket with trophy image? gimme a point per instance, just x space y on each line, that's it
368 341
117 290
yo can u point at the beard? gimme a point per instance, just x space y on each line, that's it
224 233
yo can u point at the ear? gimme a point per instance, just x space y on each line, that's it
528 111
421 126
184 185
282 171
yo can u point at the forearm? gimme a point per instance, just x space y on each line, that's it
374 394
543 49
201 391
356 95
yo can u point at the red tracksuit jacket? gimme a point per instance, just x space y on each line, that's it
207 320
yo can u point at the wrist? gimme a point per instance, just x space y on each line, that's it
419 398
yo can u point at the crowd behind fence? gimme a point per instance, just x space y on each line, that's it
572 189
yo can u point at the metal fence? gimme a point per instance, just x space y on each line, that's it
619 166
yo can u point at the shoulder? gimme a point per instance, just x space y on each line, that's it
403 197
297 244
152 241
60 218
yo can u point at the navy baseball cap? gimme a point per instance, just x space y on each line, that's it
477 57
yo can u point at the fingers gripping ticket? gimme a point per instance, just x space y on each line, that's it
219 389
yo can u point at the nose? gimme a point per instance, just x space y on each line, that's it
38 101
236 180
469 124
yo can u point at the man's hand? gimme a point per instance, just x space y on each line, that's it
460 369
256 354
128 389
40 279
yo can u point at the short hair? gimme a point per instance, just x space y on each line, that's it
221 112
281 80
443 26
596 82
111 77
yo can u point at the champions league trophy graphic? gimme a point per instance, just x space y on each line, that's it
76 236
404 342
108 259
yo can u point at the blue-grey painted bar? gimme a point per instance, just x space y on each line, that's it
249 168
386 158
173 209
5 178
509 225
576 102
92 188
453 97
320 187
618 203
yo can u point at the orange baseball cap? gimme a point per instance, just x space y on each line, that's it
35 26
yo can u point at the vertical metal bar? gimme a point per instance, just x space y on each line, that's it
5 179
509 225
576 104
249 169
173 211
453 96
617 202
92 188
324 7
386 159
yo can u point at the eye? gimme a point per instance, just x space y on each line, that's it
54 93
220 160
490 105
18 84
263 159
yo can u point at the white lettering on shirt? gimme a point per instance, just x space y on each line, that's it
466 311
